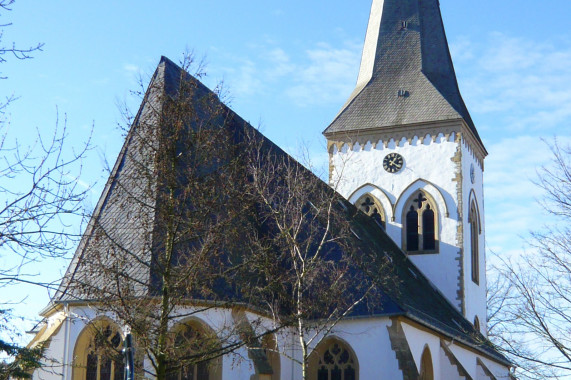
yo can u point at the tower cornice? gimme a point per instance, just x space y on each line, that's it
408 133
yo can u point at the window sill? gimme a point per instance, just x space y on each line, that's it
416 253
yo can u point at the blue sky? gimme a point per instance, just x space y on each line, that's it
288 67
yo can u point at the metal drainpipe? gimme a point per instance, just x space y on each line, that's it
66 343
292 357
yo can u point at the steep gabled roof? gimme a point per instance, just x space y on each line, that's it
407 75
409 293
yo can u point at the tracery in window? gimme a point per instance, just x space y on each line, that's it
426 369
371 206
98 353
474 222
420 228
189 343
334 361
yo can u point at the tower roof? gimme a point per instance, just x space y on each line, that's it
406 75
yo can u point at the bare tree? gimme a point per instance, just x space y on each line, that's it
310 268
201 215
11 50
163 244
533 319
40 197
41 209
38 184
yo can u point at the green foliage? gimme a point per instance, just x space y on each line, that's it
19 362
25 361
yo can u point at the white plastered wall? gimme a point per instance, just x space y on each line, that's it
418 339
61 349
52 365
428 165
368 338
469 361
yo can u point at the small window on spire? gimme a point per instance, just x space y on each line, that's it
403 25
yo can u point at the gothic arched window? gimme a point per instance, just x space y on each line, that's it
97 354
420 224
371 206
190 343
426 369
333 360
474 222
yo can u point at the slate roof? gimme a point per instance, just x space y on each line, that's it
410 293
111 212
413 59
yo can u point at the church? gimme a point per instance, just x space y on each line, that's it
403 150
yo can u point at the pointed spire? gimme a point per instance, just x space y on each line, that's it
406 74
371 42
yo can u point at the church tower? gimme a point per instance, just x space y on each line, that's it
404 150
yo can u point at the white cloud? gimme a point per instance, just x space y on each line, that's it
247 81
328 77
281 64
511 197
524 85
131 69
461 49
321 76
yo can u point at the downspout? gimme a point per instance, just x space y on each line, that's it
66 343
292 357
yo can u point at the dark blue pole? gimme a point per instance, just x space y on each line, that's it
129 352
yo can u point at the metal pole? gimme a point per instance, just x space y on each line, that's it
129 352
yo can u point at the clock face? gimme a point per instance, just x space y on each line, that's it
472 173
393 162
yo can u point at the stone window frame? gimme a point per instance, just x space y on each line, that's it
317 359
475 231
97 338
426 366
376 206
428 202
